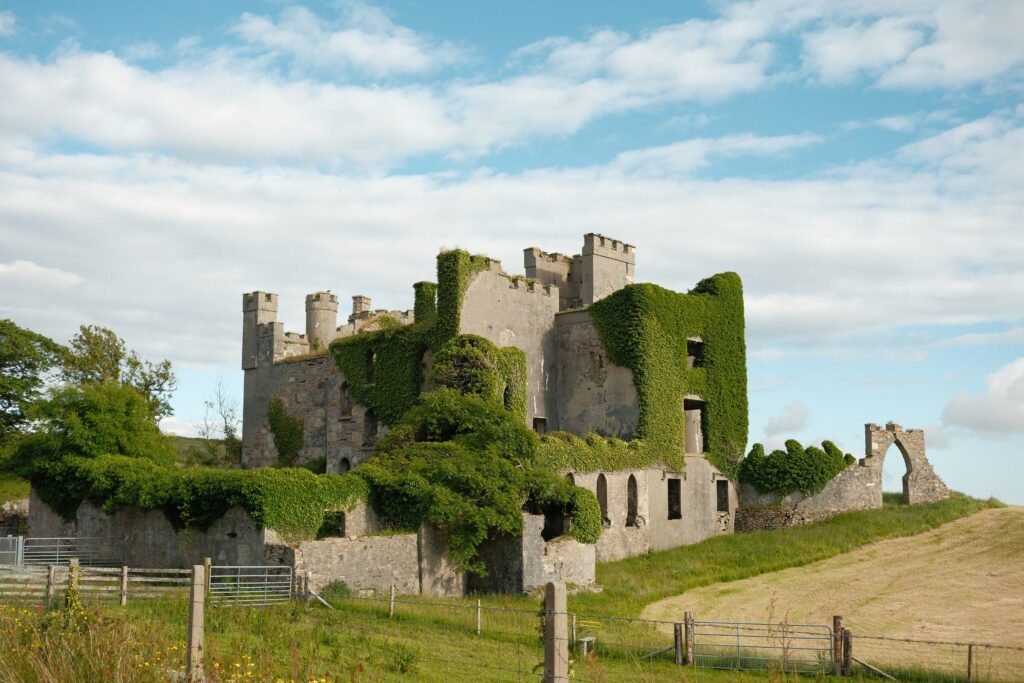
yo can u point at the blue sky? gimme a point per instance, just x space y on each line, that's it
858 163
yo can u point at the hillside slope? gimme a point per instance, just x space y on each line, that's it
963 581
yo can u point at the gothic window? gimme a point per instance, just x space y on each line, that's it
632 502
675 499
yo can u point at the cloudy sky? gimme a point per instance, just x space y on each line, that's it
859 163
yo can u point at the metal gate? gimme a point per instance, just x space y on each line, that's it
10 549
252 586
791 648
90 551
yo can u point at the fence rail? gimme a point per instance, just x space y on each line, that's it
250 585
791 648
34 583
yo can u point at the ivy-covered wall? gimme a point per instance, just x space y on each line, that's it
645 328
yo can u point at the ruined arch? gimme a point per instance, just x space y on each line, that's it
920 484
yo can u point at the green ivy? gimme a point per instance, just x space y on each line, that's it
565 451
796 469
473 365
425 306
645 328
287 432
455 269
291 501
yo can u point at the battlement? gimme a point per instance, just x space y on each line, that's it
322 300
259 301
527 285
601 245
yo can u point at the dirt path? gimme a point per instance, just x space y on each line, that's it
961 582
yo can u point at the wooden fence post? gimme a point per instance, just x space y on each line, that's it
479 618
970 662
194 656
556 634
689 636
72 588
847 652
207 565
677 630
50 579
837 641
574 630
124 585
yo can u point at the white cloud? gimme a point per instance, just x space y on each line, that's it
791 420
1014 336
689 155
897 124
365 39
7 23
999 410
29 274
840 52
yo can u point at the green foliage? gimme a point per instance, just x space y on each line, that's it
796 469
291 501
473 365
25 358
97 355
565 451
425 302
87 421
454 271
645 328
333 525
287 432
336 590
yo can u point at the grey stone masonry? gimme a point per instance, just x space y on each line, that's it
859 486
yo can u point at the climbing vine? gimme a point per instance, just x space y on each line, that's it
646 329
287 433
796 469
593 453
473 365
425 301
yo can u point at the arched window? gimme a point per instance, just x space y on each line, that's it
345 465
632 501
571 479
345 404
602 499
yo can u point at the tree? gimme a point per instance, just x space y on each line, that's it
88 420
25 359
97 355
219 428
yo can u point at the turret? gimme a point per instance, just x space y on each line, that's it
258 308
321 319
607 266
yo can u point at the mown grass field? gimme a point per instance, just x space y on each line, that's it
427 641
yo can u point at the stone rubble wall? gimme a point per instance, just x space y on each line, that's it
13 517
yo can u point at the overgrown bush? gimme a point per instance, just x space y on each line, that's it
287 433
796 469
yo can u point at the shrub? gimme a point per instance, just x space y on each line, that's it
796 469
287 432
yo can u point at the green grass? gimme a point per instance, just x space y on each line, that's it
630 585
12 487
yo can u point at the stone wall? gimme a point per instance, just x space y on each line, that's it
509 311
859 486
560 559
150 540
767 518
594 394
372 563
311 390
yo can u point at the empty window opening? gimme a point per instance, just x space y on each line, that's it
371 367
675 499
345 404
571 479
540 425
345 465
556 523
333 525
694 352
602 499
695 410
722 488
632 501
369 428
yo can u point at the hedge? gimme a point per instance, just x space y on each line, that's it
794 470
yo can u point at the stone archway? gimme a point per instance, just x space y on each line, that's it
920 483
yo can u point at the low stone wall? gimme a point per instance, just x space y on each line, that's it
560 559
763 518
372 563
150 540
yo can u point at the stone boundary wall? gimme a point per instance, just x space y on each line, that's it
763 518
150 540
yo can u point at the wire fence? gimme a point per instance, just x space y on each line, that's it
914 659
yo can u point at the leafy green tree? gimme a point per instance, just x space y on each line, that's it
25 359
97 355
89 420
